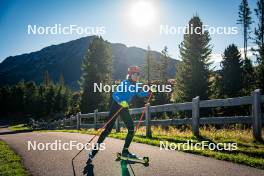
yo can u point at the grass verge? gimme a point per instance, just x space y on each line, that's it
20 127
10 163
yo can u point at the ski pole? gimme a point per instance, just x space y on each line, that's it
99 132
140 119
143 112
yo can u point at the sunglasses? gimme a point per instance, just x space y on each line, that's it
136 74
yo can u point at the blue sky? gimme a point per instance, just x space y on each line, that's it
16 15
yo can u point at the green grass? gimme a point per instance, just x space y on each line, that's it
10 163
20 127
249 152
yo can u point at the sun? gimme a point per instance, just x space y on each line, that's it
142 13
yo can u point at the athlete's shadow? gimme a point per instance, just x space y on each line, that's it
89 168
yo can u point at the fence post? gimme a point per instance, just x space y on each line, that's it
148 120
95 118
117 124
195 116
256 114
78 120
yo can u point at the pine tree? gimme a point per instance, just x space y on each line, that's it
259 40
147 66
162 97
66 96
19 97
248 77
58 106
192 76
75 103
231 73
50 100
259 31
151 67
260 69
31 95
5 100
46 80
244 18
96 68
61 80
164 65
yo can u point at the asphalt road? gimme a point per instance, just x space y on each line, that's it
162 163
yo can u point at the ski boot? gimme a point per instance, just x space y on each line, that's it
127 154
132 158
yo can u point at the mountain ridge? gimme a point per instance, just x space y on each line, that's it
65 59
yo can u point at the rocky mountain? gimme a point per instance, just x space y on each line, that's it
65 59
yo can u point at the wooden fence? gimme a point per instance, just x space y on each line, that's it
255 119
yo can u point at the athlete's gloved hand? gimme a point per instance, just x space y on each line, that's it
153 89
124 104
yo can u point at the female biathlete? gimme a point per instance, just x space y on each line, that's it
122 96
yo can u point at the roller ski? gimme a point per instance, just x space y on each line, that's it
132 159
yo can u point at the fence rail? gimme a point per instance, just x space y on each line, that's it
256 118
